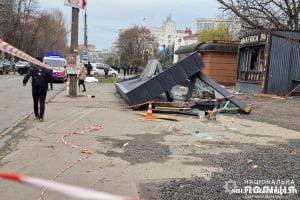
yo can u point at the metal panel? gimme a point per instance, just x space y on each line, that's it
295 65
154 87
137 91
284 61
178 73
166 80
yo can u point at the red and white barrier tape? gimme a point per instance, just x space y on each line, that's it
165 102
7 48
68 190
81 149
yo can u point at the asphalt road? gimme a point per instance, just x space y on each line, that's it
16 102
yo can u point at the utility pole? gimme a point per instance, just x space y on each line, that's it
74 50
85 30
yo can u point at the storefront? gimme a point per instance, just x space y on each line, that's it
269 62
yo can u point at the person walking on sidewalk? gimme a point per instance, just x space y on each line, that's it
40 79
81 77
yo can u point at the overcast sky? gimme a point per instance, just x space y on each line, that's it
105 18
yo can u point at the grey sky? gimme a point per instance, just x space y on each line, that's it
105 18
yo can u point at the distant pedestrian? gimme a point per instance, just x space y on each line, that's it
124 70
89 68
128 70
51 71
40 77
106 72
81 77
135 69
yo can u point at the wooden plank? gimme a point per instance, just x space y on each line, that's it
157 116
265 95
172 108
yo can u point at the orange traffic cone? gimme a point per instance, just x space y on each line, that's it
149 113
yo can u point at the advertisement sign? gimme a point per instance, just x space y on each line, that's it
76 3
73 63
84 56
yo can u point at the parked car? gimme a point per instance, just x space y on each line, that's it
98 70
6 66
22 67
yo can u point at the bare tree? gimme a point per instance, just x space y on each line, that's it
36 33
264 14
14 15
135 44
52 33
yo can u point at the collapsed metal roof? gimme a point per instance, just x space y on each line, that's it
154 82
150 85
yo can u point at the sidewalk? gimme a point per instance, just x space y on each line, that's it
129 151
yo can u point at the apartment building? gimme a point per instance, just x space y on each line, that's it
167 34
234 25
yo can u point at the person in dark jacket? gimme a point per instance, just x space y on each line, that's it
106 72
89 68
40 77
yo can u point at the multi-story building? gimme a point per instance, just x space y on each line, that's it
234 25
188 39
167 34
101 56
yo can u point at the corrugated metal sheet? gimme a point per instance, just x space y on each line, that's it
284 65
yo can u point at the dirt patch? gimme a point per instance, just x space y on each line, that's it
282 112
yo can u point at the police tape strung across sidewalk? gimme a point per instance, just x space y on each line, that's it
7 48
68 190
164 102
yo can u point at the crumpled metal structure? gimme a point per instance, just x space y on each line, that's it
154 82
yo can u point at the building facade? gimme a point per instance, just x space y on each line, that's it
167 34
234 25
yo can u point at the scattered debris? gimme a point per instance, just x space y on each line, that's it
254 166
212 114
227 108
157 116
124 145
91 79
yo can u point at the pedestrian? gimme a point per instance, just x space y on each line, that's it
89 68
106 72
51 71
135 69
40 77
81 77
124 70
